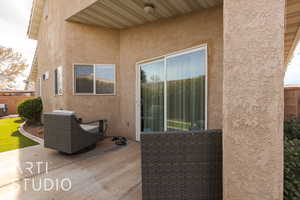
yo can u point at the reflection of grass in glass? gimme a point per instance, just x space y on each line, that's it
185 126
10 137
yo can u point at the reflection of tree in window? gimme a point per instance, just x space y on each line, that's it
105 79
84 75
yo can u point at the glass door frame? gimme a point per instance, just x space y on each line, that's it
164 58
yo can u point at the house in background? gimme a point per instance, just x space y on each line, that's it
157 65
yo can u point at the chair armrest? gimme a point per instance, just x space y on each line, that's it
102 124
90 122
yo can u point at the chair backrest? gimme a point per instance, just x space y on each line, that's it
58 130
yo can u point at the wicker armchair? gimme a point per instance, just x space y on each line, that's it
65 133
182 165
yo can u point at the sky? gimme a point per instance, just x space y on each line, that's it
14 18
292 75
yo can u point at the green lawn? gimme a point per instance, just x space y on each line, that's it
10 137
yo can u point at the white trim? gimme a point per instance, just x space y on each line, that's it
40 85
138 103
94 80
165 95
160 58
190 49
138 95
206 88
58 92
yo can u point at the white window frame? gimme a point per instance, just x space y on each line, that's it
59 93
40 86
164 58
94 80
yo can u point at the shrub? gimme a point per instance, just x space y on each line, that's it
292 129
292 169
31 110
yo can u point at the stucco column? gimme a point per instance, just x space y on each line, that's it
253 99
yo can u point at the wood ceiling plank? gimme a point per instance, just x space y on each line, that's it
117 16
83 15
291 29
97 14
126 8
292 8
77 19
211 3
173 11
193 4
293 20
121 11
289 38
203 3
171 5
180 5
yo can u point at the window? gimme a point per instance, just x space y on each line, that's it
94 79
58 89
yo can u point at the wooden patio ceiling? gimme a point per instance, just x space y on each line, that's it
292 28
126 13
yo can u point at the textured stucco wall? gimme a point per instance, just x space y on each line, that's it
63 43
92 45
253 99
51 51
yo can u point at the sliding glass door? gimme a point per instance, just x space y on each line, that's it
152 96
173 92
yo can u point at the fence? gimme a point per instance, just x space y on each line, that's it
292 102
13 98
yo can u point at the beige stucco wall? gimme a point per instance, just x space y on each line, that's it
51 52
62 43
253 100
92 45
65 43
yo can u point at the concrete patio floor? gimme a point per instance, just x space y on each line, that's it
108 172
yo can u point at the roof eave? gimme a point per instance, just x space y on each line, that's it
35 19
293 47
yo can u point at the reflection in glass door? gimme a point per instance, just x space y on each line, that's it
152 96
186 91
173 92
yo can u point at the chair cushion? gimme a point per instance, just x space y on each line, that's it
90 128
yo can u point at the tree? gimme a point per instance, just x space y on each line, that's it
12 66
